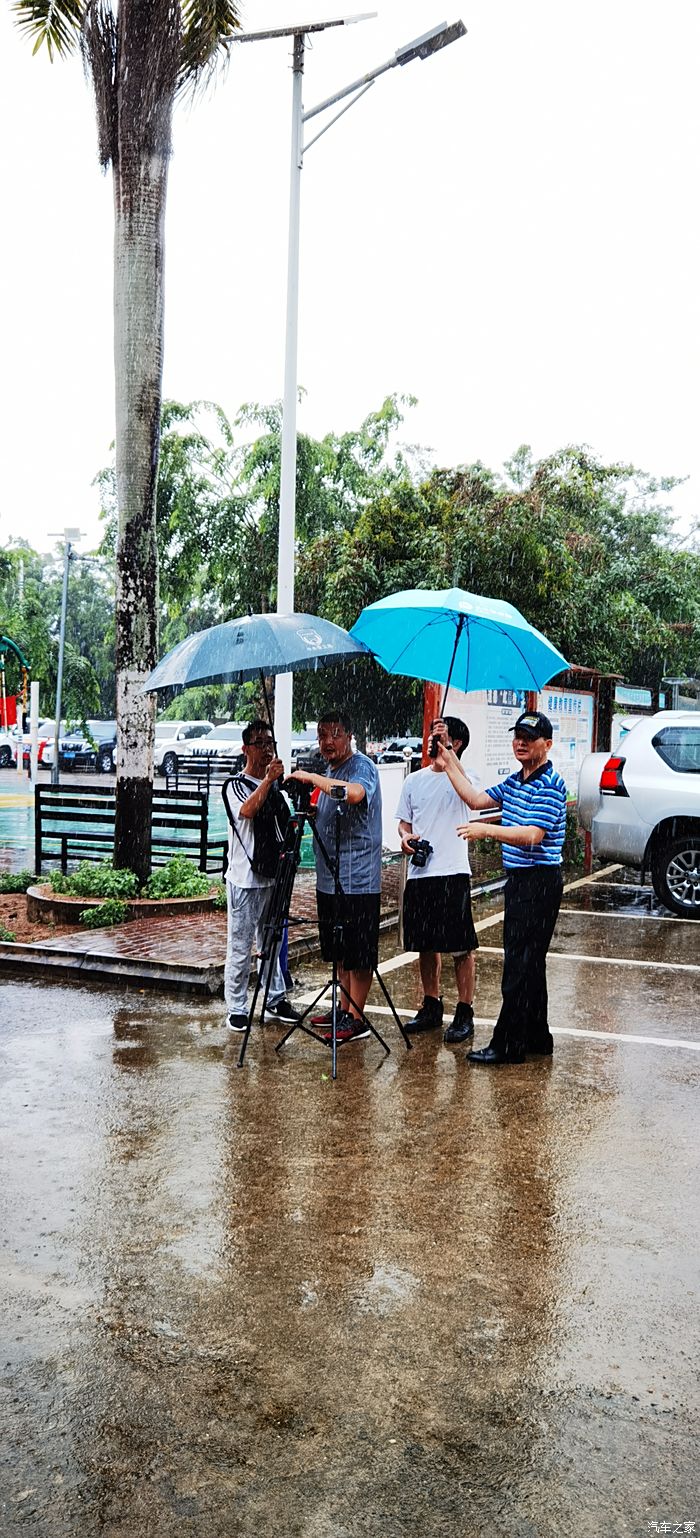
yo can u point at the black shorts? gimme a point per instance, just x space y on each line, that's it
358 917
437 915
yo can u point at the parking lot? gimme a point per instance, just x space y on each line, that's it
426 1299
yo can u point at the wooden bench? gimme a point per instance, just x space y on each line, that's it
76 822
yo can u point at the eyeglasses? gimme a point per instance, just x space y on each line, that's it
260 742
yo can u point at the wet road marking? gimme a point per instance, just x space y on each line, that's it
565 1030
405 957
658 918
606 961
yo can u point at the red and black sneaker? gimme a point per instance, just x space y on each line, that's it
324 1018
347 1029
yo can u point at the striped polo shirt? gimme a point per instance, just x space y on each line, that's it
539 802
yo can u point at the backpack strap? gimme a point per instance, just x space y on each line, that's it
233 778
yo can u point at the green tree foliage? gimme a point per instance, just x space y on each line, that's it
30 607
586 550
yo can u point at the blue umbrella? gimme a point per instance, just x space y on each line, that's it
254 646
450 636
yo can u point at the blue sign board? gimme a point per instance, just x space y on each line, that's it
625 696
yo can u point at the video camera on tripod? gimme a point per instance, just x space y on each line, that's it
299 793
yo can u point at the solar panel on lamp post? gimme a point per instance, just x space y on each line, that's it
422 47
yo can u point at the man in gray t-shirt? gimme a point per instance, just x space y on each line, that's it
355 818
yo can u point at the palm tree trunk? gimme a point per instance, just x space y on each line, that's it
140 184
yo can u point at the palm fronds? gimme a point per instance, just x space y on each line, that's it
208 27
56 23
98 46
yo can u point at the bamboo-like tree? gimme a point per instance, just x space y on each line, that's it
139 55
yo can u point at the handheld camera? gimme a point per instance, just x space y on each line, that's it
422 851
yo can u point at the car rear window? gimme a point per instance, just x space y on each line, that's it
679 747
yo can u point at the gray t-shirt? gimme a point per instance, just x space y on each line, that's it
360 830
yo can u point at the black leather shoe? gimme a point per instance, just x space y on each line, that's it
462 1026
490 1057
427 1018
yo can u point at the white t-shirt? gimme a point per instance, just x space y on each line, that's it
430 803
240 843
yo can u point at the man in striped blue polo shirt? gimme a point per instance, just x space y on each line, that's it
532 803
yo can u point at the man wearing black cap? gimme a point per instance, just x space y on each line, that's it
532 803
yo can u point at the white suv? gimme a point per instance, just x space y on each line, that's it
173 740
642 805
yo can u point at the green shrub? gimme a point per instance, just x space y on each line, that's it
574 842
96 880
6 934
110 912
57 881
17 881
220 899
179 878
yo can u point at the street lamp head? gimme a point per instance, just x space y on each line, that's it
431 42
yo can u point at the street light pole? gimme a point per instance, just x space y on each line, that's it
420 48
68 535
288 468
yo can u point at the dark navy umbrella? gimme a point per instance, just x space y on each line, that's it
450 636
253 647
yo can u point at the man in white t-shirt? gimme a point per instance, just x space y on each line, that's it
258 815
437 911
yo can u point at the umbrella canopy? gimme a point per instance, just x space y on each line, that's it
449 636
254 645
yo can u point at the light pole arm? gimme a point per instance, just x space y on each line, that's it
357 85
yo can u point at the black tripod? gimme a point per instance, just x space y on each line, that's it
276 917
334 982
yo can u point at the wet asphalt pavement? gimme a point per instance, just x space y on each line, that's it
425 1300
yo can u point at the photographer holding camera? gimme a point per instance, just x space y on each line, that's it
258 816
352 784
437 911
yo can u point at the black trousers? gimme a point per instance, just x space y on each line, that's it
532 899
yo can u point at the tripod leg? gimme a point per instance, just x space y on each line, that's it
276 914
390 1002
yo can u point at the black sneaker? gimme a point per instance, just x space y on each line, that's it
462 1026
282 1011
428 1017
237 1022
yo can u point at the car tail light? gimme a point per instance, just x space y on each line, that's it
611 778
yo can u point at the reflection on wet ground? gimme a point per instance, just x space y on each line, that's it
423 1300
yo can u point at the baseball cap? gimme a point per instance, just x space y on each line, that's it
533 724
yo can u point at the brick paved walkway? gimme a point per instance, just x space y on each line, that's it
197 942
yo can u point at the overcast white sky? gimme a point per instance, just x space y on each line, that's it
509 231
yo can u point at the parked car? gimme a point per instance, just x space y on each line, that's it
46 730
394 752
8 750
641 805
173 738
94 748
226 741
